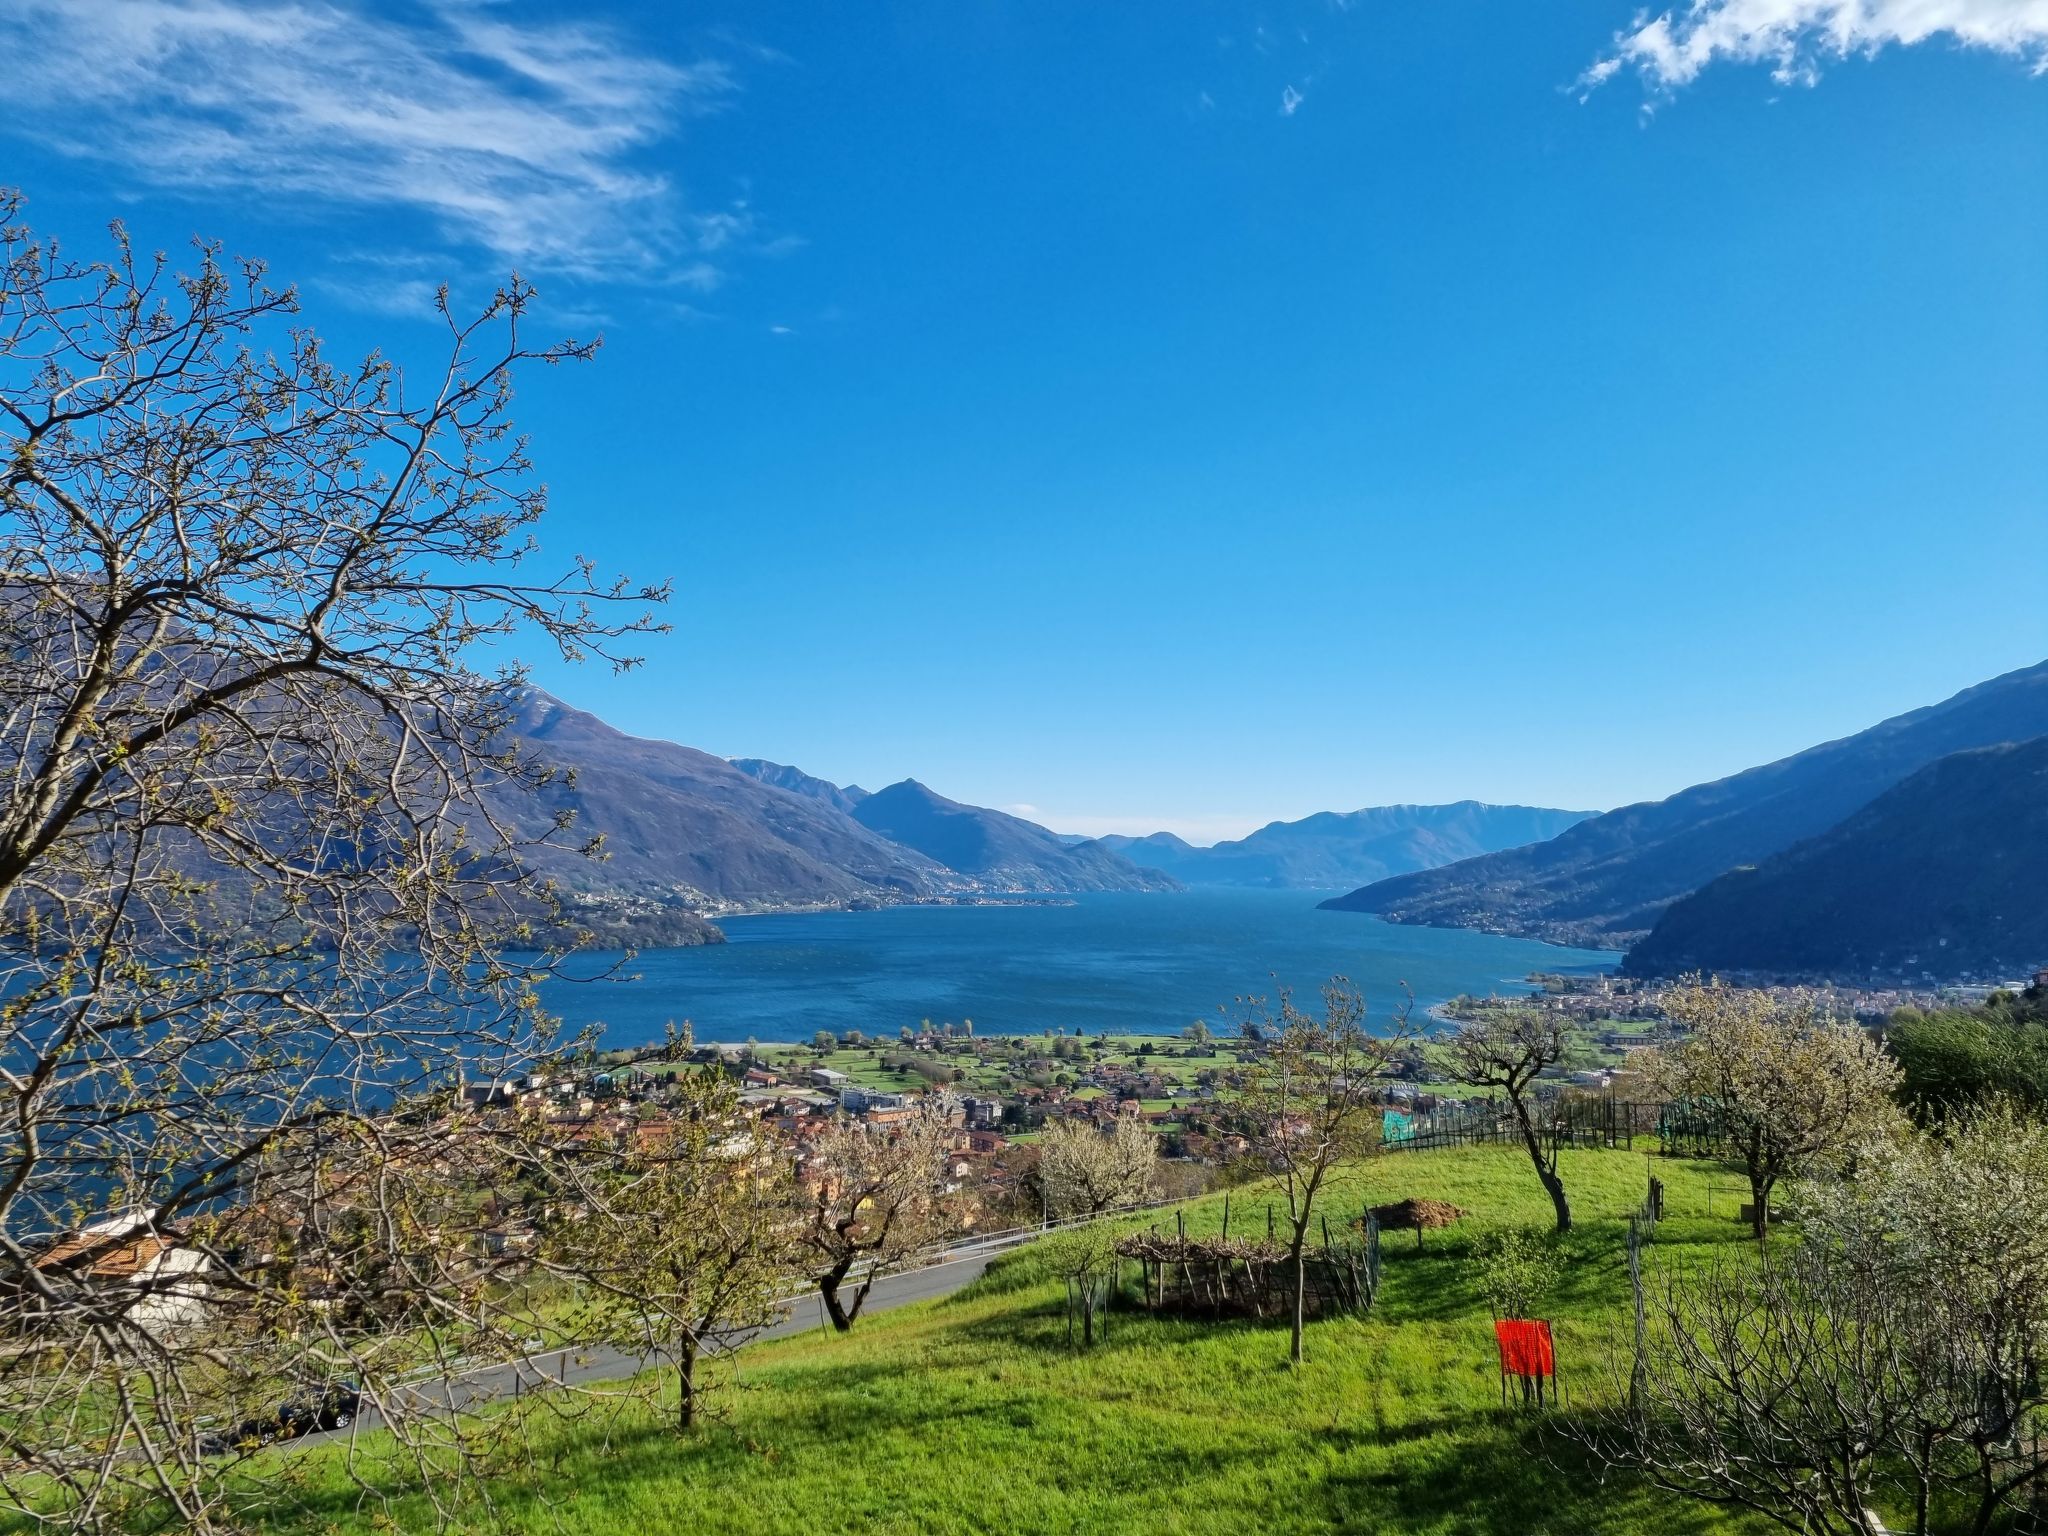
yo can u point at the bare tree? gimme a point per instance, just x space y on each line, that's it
1509 1049
1086 1171
1793 1082
1310 1094
872 1196
1891 1357
686 1245
254 890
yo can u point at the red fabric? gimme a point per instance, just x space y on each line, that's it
1525 1348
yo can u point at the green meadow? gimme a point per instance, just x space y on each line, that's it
972 1414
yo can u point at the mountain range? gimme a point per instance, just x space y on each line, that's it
1608 881
688 836
1003 850
1334 849
1945 873
1918 845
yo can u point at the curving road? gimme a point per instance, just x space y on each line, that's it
800 1314
948 1271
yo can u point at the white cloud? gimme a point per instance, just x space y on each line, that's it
1290 101
525 140
1796 38
698 276
410 298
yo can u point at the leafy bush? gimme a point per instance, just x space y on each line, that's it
1953 1057
1517 1269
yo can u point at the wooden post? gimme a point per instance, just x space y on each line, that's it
1226 1216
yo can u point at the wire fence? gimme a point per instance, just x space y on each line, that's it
1569 1119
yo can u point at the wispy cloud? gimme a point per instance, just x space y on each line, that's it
1798 38
1282 59
526 141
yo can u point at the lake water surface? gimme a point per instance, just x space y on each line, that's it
1121 963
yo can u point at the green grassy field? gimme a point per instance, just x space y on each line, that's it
972 1414
992 1064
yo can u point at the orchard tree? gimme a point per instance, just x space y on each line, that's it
1086 1172
685 1246
1310 1093
261 856
1085 1258
871 1196
1795 1084
1508 1050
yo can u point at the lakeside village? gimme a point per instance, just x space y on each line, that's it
1003 1090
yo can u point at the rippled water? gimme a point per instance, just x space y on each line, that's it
1107 962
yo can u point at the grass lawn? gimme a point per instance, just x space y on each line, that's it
972 1414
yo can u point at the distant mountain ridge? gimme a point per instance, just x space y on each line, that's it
684 825
1334 849
688 835
840 796
1607 881
1003 850
1945 873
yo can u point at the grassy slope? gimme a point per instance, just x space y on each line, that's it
971 1414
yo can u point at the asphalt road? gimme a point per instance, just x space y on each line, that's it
594 1366
804 1314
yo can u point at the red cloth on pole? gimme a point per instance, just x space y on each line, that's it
1525 1348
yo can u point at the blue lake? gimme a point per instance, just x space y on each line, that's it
1119 963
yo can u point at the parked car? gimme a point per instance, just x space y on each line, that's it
333 1405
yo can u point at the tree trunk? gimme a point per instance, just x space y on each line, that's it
1922 1470
828 1287
1760 1204
1553 1186
686 1380
1300 1292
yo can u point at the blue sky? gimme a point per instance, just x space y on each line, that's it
1185 414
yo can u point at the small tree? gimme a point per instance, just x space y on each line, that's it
687 1247
873 1196
1509 1049
1085 1258
1311 1098
1196 1034
821 1042
1516 1270
1087 1172
1794 1083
